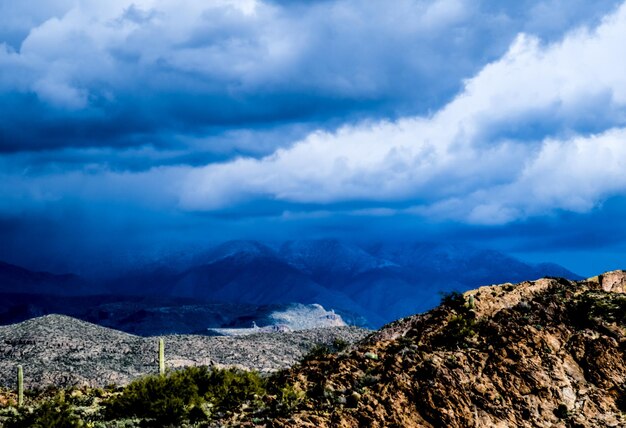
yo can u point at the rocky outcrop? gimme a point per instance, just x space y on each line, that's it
546 353
614 281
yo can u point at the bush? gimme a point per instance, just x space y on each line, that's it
288 399
183 395
453 300
461 326
593 307
320 351
229 389
55 413
459 329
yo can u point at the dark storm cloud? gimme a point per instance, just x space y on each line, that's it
129 73
161 124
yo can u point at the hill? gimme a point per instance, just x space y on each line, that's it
544 353
541 353
57 350
16 279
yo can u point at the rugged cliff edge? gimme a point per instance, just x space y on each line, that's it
542 353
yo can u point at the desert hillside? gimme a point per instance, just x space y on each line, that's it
540 353
60 351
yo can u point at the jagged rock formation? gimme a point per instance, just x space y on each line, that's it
62 351
545 353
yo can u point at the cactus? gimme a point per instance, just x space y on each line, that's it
471 304
20 386
161 357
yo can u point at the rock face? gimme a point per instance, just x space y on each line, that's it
546 353
63 351
614 281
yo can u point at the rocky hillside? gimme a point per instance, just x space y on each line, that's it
62 351
542 353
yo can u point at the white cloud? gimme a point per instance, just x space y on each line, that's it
458 161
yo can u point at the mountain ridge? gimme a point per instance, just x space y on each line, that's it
376 282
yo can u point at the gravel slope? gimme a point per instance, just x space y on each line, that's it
63 351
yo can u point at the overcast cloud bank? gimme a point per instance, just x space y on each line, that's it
467 161
162 120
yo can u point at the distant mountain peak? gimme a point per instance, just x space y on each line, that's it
239 248
330 256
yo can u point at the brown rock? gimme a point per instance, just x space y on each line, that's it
533 357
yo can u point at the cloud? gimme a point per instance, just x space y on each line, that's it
161 121
126 73
575 175
474 160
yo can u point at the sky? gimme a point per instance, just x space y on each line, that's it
130 129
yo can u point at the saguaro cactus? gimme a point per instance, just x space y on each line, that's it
471 302
161 357
20 386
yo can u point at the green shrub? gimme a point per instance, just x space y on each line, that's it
593 307
155 397
320 351
228 389
461 326
317 352
453 300
185 394
54 413
289 398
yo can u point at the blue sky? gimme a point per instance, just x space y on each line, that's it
134 127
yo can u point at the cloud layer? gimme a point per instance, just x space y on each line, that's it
162 121
536 131
154 72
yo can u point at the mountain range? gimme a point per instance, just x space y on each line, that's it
367 284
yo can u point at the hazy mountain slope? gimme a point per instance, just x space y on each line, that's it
381 282
464 263
378 283
16 279
258 279
395 293
329 261
161 274
394 280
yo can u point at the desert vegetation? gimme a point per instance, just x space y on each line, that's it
190 397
